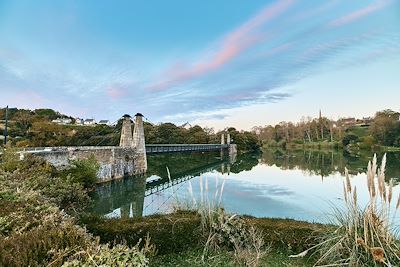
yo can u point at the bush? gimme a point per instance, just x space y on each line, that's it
349 139
169 233
67 194
38 246
119 255
83 171
33 230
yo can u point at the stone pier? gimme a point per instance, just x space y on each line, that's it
126 132
139 143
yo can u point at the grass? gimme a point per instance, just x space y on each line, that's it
205 235
365 236
194 258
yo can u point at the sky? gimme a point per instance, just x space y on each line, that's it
213 63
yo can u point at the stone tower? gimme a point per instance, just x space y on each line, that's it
228 138
138 143
126 132
222 139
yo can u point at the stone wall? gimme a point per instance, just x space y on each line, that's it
115 162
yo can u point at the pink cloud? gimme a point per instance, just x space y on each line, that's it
358 14
116 92
231 46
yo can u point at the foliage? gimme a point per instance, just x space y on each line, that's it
119 256
83 171
66 189
33 229
169 233
386 127
349 139
246 141
222 231
67 194
195 258
383 129
365 236
35 129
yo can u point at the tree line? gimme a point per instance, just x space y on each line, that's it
381 130
34 128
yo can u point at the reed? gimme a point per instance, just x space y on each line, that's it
365 236
223 231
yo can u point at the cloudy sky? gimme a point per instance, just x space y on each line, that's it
216 63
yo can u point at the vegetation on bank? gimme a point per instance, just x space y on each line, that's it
363 236
36 224
379 133
42 223
35 128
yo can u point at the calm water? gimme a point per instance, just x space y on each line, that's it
301 185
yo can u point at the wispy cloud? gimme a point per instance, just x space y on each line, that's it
360 13
259 61
231 46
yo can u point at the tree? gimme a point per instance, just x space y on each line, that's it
349 139
385 127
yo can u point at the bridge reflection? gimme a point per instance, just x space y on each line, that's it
126 198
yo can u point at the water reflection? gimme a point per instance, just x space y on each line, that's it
325 163
125 198
276 183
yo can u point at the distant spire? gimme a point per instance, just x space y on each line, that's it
320 114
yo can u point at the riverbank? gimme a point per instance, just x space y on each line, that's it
329 146
178 238
43 223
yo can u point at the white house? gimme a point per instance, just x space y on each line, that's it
89 122
104 122
79 121
62 121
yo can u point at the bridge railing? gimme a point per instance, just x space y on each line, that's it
163 148
150 148
64 148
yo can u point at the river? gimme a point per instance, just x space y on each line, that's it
301 185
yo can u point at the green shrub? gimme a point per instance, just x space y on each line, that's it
38 246
67 194
33 230
119 255
349 139
169 233
367 142
83 171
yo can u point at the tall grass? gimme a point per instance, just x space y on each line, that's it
365 236
224 231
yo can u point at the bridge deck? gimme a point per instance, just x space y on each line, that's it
166 148
150 148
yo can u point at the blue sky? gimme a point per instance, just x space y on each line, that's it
216 63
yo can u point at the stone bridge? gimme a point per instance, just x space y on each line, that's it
129 158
